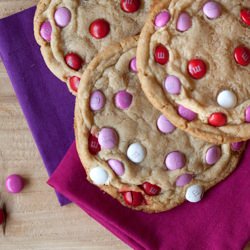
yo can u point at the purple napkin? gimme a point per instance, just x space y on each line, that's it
45 101
221 221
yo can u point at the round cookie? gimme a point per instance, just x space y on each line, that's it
71 32
130 150
194 66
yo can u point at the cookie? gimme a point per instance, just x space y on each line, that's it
71 32
194 66
130 150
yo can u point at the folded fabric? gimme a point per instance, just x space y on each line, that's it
220 221
45 101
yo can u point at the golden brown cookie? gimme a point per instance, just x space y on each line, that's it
71 32
194 66
130 150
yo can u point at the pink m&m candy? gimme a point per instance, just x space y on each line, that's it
162 19
117 166
97 100
46 31
133 65
237 146
212 9
62 17
108 138
123 99
164 125
184 22
175 160
213 155
14 183
183 180
173 85
187 114
247 114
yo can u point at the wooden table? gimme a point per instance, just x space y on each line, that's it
35 219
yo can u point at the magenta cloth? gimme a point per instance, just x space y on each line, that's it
221 221
45 101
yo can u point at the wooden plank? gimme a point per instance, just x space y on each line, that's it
35 219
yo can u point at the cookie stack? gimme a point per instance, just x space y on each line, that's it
161 117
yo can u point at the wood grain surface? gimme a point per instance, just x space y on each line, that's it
35 220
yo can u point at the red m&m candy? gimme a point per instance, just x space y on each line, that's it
242 55
217 119
197 68
133 198
74 82
151 189
73 61
130 6
245 16
94 146
161 54
99 28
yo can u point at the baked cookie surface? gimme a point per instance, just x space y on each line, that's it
194 66
130 150
71 32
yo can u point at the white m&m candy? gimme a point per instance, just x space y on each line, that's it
136 152
227 99
194 193
99 176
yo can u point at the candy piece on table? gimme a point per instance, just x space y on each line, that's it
183 180
151 189
164 125
132 198
117 166
74 61
62 17
130 6
162 19
161 55
97 100
217 119
108 138
187 114
14 183
74 82
99 176
197 68
175 160
46 31
213 154
194 193
227 99
184 22
212 9
123 100
99 29
136 152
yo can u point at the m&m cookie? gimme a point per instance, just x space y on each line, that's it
132 151
71 32
193 60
